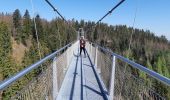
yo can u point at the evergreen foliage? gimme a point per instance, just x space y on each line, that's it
26 31
17 24
5 51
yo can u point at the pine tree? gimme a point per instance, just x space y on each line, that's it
5 49
17 24
164 67
26 27
17 18
159 66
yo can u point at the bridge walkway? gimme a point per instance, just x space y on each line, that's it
80 82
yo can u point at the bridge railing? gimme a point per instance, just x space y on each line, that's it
47 84
125 79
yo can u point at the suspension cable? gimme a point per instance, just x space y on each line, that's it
36 32
130 42
60 15
55 10
109 12
129 47
134 21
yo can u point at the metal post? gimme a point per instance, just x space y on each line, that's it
91 51
78 35
68 56
112 78
96 53
55 84
88 47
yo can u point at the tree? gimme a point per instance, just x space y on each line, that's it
26 27
17 23
17 18
159 66
5 50
95 35
164 67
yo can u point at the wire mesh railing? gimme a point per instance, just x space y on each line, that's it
38 89
46 85
133 82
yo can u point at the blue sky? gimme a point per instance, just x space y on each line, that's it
153 15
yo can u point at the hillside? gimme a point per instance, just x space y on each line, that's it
18 51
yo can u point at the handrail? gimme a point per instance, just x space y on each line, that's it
151 73
9 81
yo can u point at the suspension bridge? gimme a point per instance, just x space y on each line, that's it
101 75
